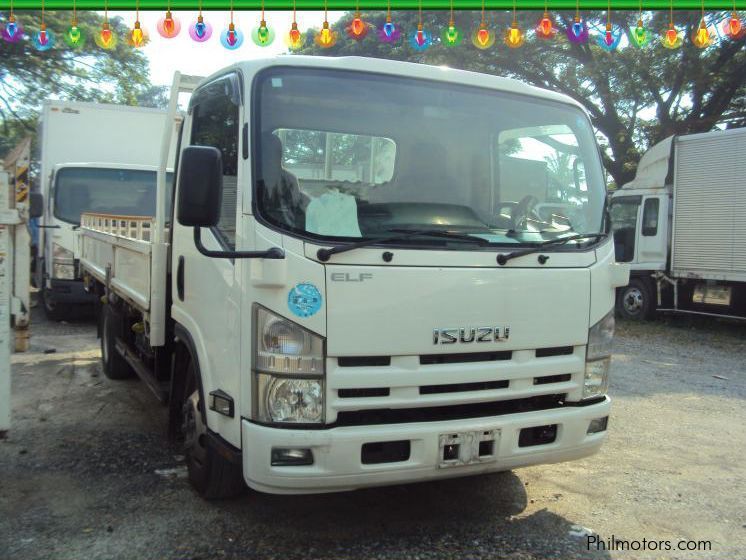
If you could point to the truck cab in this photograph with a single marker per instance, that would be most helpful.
(372, 273)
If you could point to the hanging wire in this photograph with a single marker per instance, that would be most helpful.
(515, 16)
(483, 20)
(608, 15)
(452, 21)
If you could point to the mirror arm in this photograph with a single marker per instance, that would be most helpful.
(272, 253)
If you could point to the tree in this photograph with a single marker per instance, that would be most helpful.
(636, 97)
(88, 73)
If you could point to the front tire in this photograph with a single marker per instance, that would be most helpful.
(635, 300)
(54, 311)
(114, 364)
(212, 475)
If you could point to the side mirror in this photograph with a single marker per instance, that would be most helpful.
(200, 186)
(35, 205)
(201, 197)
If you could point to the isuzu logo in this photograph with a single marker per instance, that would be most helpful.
(470, 334)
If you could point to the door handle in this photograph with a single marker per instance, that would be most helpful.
(180, 279)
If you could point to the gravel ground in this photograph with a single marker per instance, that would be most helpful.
(87, 472)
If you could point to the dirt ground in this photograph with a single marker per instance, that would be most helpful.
(87, 472)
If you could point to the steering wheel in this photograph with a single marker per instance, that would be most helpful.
(522, 212)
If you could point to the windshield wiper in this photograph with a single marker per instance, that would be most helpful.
(402, 235)
(503, 258)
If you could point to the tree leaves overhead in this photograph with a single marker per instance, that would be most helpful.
(28, 76)
(636, 97)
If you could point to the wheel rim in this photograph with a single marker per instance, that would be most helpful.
(194, 430)
(633, 301)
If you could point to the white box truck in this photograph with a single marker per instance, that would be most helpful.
(92, 157)
(358, 288)
(680, 226)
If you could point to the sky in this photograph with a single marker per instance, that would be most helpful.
(202, 59)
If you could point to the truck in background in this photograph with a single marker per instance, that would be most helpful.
(355, 292)
(680, 224)
(93, 157)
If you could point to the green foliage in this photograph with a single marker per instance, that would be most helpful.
(636, 97)
(89, 73)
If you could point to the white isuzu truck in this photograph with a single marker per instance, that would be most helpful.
(373, 272)
(680, 226)
(93, 157)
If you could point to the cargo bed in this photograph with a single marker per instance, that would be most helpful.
(117, 251)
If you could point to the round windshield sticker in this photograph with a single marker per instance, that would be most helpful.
(304, 300)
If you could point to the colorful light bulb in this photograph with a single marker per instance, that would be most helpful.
(231, 37)
(639, 36)
(483, 38)
(294, 38)
(451, 35)
(74, 36)
(514, 37)
(43, 39)
(389, 33)
(326, 37)
(733, 28)
(13, 30)
(671, 39)
(578, 32)
(546, 29)
(357, 29)
(137, 38)
(611, 38)
(262, 35)
(200, 30)
(168, 26)
(105, 39)
(701, 36)
(420, 39)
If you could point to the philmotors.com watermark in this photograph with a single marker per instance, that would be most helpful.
(595, 542)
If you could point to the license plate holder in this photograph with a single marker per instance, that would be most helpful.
(456, 449)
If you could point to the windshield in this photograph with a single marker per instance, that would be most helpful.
(346, 155)
(124, 192)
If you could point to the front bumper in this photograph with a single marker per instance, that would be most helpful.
(68, 291)
(337, 451)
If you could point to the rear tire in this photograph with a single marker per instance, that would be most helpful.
(114, 364)
(635, 300)
(212, 475)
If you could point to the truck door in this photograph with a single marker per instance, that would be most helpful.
(205, 291)
(652, 244)
(624, 215)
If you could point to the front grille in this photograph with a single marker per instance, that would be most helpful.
(546, 379)
(430, 359)
(463, 387)
(363, 361)
(556, 351)
(453, 412)
(367, 392)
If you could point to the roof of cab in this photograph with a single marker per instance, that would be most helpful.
(398, 68)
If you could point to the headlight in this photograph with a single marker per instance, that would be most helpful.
(600, 337)
(598, 357)
(63, 263)
(288, 371)
(290, 400)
